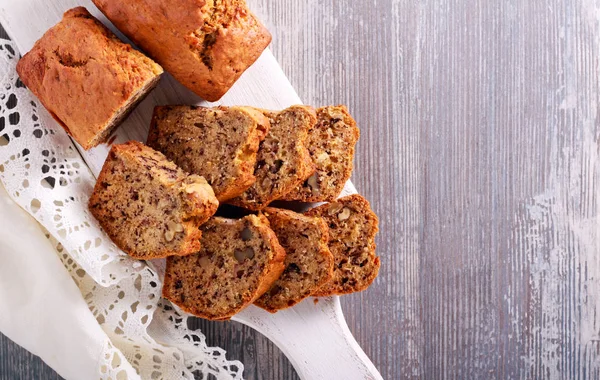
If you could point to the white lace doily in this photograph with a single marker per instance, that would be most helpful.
(43, 172)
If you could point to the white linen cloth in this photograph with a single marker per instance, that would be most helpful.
(41, 308)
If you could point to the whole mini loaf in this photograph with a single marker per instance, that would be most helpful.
(205, 45)
(86, 77)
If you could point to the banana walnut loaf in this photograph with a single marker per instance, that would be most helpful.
(205, 44)
(308, 261)
(219, 144)
(86, 77)
(148, 206)
(238, 261)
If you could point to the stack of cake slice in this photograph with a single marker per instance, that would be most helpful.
(161, 203)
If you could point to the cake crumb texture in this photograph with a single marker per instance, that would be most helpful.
(219, 144)
(352, 229)
(308, 261)
(331, 144)
(148, 206)
(238, 261)
(283, 161)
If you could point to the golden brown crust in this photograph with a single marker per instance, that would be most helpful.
(352, 229)
(219, 144)
(308, 261)
(86, 77)
(331, 145)
(283, 161)
(205, 45)
(221, 279)
(147, 205)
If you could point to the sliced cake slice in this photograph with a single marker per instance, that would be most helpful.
(239, 260)
(352, 229)
(308, 261)
(331, 145)
(219, 144)
(283, 161)
(148, 206)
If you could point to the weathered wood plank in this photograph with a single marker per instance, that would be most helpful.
(18, 363)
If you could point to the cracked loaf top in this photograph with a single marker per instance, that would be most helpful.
(205, 44)
(86, 77)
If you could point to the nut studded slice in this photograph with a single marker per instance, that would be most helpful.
(331, 145)
(308, 262)
(239, 260)
(352, 229)
(147, 205)
(283, 161)
(219, 144)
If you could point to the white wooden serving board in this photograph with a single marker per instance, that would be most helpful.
(313, 334)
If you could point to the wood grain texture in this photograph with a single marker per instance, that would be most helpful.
(479, 152)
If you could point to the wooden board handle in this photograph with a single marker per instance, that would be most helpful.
(315, 338)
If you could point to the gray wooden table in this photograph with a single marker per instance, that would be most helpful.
(479, 152)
